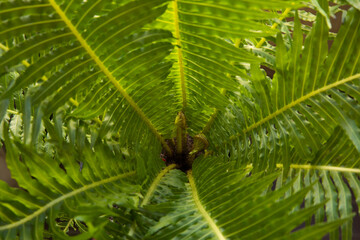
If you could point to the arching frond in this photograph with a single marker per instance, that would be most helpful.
(205, 207)
(337, 165)
(311, 93)
(108, 63)
(71, 183)
(89, 91)
(208, 35)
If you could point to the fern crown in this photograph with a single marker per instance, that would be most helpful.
(180, 119)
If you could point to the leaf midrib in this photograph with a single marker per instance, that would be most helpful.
(294, 103)
(108, 74)
(62, 198)
(155, 184)
(201, 208)
(180, 55)
(321, 167)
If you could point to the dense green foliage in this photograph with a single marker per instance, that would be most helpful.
(154, 119)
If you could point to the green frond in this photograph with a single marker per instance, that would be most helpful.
(75, 55)
(311, 93)
(208, 35)
(266, 112)
(52, 188)
(337, 165)
(204, 207)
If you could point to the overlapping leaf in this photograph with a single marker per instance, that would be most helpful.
(73, 183)
(312, 92)
(208, 34)
(221, 203)
(337, 165)
(114, 61)
(101, 58)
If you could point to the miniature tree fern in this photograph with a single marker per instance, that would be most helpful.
(154, 119)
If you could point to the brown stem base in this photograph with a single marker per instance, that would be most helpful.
(183, 160)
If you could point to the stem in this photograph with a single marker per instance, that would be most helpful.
(181, 141)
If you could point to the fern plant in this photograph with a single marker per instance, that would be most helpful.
(154, 119)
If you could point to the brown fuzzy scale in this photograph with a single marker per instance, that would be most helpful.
(183, 160)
